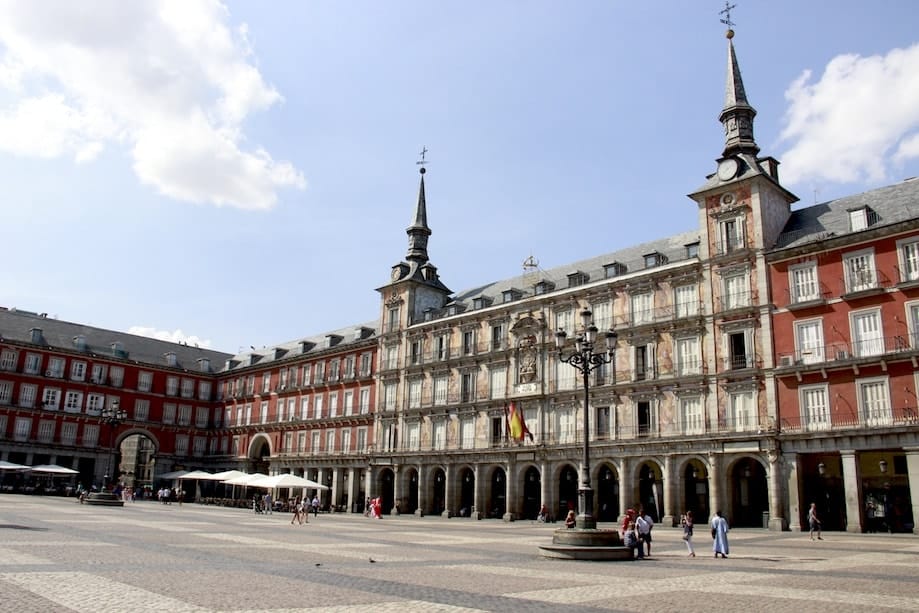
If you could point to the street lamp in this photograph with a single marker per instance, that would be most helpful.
(113, 417)
(586, 361)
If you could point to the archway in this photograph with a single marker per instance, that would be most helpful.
(531, 493)
(134, 462)
(567, 491)
(749, 494)
(467, 492)
(259, 454)
(695, 491)
(440, 491)
(607, 494)
(497, 505)
(649, 491)
(386, 494)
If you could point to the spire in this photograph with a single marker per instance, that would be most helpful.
(737, 115)
(419, 231)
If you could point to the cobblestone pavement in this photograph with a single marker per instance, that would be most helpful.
(58, 555)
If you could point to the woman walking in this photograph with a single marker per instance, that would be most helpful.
(720, 535)
(813, 521)
(686, 522)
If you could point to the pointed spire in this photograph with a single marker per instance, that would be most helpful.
(737, 115)
(419, 231)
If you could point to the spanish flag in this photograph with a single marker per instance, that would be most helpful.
(516, 424)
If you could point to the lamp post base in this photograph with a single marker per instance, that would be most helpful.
(586, 544)
(106, 499)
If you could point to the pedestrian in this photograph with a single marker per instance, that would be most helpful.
(813, 521)
(686, 522)
(720, 535)
(629, 517)
(315, 505)
(644, 523)
(630, 539)
(367, 507)
(570, 520)
(268, 504)
(298, 512)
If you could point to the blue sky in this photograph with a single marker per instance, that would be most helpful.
(242, 173)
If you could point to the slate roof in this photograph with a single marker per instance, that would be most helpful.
(15, 325)
(888, 205)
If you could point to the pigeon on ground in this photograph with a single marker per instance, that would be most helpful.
(372, 561)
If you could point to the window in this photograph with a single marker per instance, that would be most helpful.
(389, 396)
(565, 376)
(172, 386)
(691, 417)
(736, 292)
(94, 404)
(601, 425)
(361, 439)
(55, 368)
(204, 390)
(68, 433)
(467, 387)
(77, 371)
(730, 233)
(692, 250)
(8, 360)
(141, 409)
(45, 431)
(860, 272)
(51, 399)
(27, 395)
(392, 322)
(392, 357)
(497, 337)
(440, 435)
(99, 372)
(467, 433)
(415, 352)
(315, 444)
(169, 413)
(644, 359)
(301, 441)
(908, 252)
(802, 282)
(182, 444)
(188, 388)
(184, 415)
(266, 383)
(468, 342)
(498, 382)
(263, 412)
(334, 370)
(739, 349)
(687, 355)
(564, 320)
(414, 393)
(306, 374)
(413, 437)
(23, 428)
(566, 426)
(366, 362)
(743, 411)
(333, 404)
(200, 445)
(912, 318)
(33, 364)
(116, 376)
(365, 400)
(867, 334)
(6, 392)
(815, 411)
(859, 219)
(441, 347)
(647, 418)
(346, 441)
(330, 441)
(291, 408)
(73, 402)
(144, 381)
(874, 401)
(641, 308)
(686, 300)
(90, 435)
(349, 403)
(440, 389)
(809, 338)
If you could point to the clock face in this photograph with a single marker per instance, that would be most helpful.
(395, 274)
(727, 169)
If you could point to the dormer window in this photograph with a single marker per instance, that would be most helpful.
(79, 342)
(332, 339)
(614, 269)
(654, 259)
(170, 358)
(861, 218)
(204, 365)
(481, 302)
(577, 278)
(692, 250)
(544, 287)
(118, 349)
(510, 295)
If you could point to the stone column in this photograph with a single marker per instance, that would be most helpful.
(397, 490)
(510, 492)
(775, 479)
(352, 490)
(478, 494)
(714, 484)
(336, 488)
(545, 494)
(912, 473)
(422, 495)
(851, 483)
(793, 489)
(669, 490)
(625, 486)
(449, 490)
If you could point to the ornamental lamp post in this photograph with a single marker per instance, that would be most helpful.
(586, 360)
(113, 417)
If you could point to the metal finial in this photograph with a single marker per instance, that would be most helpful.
(727, 16)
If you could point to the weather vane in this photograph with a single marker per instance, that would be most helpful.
(727, 14)
(424, 151)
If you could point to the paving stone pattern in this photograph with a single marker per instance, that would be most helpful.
(57, 555)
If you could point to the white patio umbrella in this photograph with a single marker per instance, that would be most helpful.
(172, 475)
(196, 474)
(289, 480)
(246, 479)
(227, 474)
(53, 469)
(12, 466)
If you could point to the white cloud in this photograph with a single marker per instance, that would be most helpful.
(857, 123)
(168, 80)
(176, 336)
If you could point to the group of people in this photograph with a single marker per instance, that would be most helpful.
(166, 494)
(301, 509)
(637, 528)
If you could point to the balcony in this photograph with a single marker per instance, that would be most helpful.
(848, 351)
(863, 283)
(730, 246)
(734, 301)
(806, 299)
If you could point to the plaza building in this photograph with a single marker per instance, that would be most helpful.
(764, 359)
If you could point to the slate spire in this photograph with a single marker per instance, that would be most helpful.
(737, 115)
(419, 231)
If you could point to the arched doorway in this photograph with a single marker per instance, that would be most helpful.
(531, 493)
(607, 494)
(567, 491)
(134, 462)
(386, 491)
(497, 505)
(440, 491)
(467, 492)
(749, 494)
(695, 491)
(259, 454)
(649, 491)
